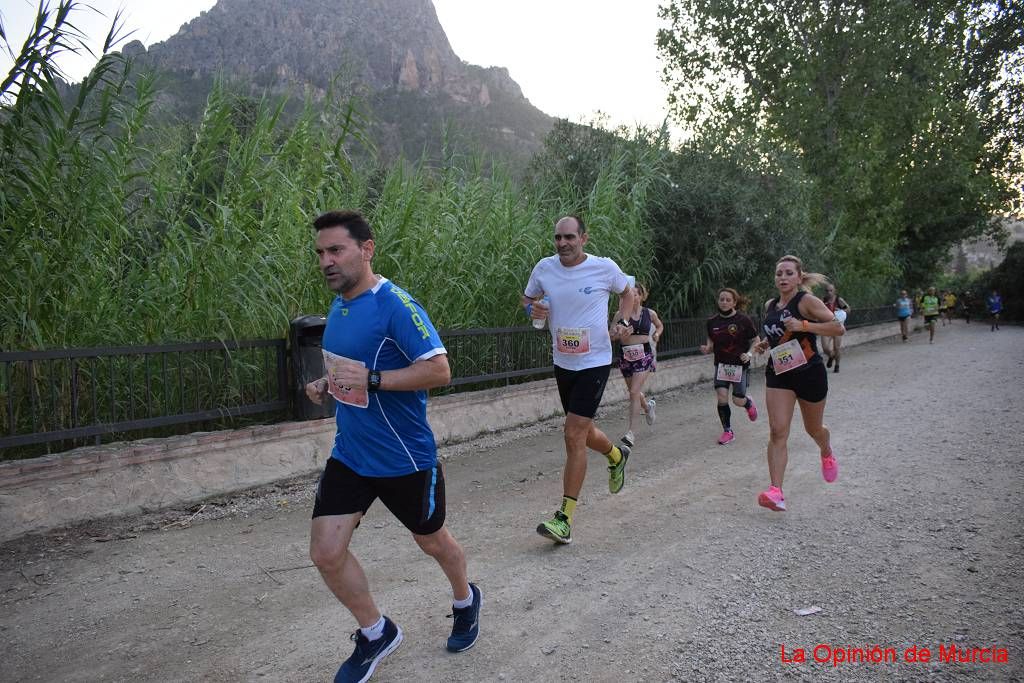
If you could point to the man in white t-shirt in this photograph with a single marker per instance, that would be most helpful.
(577, 286)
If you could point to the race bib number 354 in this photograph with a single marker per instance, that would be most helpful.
(573, 339)
(633, 352)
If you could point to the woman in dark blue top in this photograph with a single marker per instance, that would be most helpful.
(795, 372)
(637, 336)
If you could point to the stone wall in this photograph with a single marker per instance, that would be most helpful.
(131, 477)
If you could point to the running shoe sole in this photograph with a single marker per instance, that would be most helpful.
(547, 533)
(833, 471)
(764, 501)
(480, 605)
(380, 656)
(621, 468)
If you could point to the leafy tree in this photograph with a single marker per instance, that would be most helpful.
(905, 116)
(1008, 279)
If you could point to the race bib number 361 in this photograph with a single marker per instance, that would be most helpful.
(573, 339)
(786, 357)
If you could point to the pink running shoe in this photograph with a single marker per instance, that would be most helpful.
(726, 437)
(829, 467)
(772, 499)
(752, 411)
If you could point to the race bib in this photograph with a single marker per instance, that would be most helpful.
(356, 397)
(573, 339)
(729, 373)
(787, 356)
(633, 352)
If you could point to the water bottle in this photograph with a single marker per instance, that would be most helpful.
(537, 322)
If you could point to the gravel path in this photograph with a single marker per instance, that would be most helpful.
(680, 577)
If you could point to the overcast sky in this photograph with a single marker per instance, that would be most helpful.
(572, 58)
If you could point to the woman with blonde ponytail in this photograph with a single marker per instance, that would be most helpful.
(795, 372)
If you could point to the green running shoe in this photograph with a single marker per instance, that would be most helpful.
(557, 528)
(617, 473)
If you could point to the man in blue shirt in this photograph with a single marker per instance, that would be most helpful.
(995, 307)
(382, 353)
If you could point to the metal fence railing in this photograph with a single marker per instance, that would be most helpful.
(860, 317)
(69, 397)
(74, 395)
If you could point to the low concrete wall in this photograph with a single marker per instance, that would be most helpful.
(149, 474)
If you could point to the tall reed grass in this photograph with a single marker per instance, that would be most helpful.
(116, 228)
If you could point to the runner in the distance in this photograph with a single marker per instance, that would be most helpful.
(730, 336)
(636, 358)
(795, 374)
(578, 286)
(904, 309)
(930, 309)
(995, 307)
(831, 346)
(948, 307)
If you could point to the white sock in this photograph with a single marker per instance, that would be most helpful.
(463, 604)
(374, 632)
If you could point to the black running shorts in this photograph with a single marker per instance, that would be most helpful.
(809, 384)
(581, 390)
(416, 500)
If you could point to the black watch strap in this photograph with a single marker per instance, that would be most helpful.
(373, 381)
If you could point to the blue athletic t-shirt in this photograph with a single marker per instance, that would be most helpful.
(387, 329)
(903, 307)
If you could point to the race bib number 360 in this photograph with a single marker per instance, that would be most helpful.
(573, 339)
(786, 357)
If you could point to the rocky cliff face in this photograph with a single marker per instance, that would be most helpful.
(387, 47)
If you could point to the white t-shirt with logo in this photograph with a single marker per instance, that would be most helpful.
(579, 308)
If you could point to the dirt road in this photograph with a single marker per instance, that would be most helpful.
(680, 577)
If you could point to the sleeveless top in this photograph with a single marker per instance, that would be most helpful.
(776, 333)
(641, 326)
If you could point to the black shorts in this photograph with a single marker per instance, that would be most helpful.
(581, 390)
(416, 500)
(809, 384)
(929, 319)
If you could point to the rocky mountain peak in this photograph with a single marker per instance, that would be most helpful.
(388, 48)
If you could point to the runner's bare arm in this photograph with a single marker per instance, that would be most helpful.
(317, 390)
(754, 341)
(422, 374)
(707, 347)
(615, 329)
(535, 308)
(658, 326)
(627, 299)
(812, 308)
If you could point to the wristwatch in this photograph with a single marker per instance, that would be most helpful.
(373, 381)
(624, 323)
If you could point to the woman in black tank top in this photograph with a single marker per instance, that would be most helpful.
(637, 337)
(795, 373)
